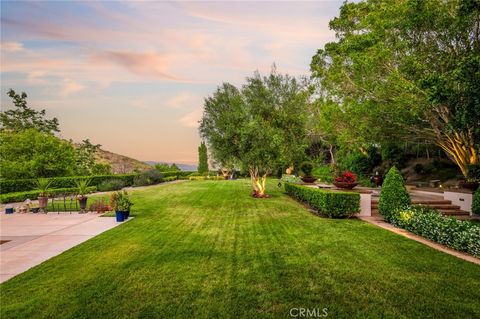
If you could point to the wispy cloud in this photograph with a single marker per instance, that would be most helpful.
(70, 87)
(192, 118)
(11, 46)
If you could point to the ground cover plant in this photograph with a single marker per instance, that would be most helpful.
(207, 249)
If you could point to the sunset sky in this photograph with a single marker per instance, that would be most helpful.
(132, 76)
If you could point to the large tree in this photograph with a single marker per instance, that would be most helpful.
(408, 70)
(22, 117)
(31, 154)
(260, 126)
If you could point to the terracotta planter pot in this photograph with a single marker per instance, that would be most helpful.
(345, 185)
(42, 202)
(308, 180)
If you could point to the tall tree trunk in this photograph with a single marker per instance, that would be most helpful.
(460, 147)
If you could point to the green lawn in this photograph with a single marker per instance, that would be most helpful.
(208, 249)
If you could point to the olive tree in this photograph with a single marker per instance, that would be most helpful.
(259, 126)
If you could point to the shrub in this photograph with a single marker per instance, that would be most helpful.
(291, 179)
(170, 178)
(329, 203)
(324, 173)
(476, 202)
(449, 231)
(393, 195)
(22, 196)
(206, 178)
(149, 177)
(111, 185)
(306, 168)
(21, 185)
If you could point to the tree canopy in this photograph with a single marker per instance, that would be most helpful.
(407, 70)
(260, 126)
(22, 117)
(202, 159)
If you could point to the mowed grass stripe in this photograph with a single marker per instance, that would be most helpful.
(208, 249)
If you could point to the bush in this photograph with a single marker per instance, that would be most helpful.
(170, 178)
(111, 185)
(290, 179)
(22, 185)
(324, 173)
(178, 174)
(460, 235)
(329, 203)
(306, 168)
(22, 196)
(149, 177)
(393, 195)
(476, 202)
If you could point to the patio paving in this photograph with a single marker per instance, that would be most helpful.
(34, 238)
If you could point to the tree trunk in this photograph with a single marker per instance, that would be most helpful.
(259, 183)
(460, 147)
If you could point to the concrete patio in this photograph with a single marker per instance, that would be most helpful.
(30, 239)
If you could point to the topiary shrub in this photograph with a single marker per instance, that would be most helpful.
(476, 202)
(394, 195)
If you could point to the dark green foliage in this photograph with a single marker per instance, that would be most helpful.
(111, 185)
(393, 195)
(393, 155)
(20, 185)
(85, 157)
(328, 203)
(32, 154)
(164, 167)
(324, 173)
(23, 118)
(476, 202)
(150, 177)
(459, 235)
(359, 163)
(202, 159)
(22, 196)
(178, 174)
(306, 168)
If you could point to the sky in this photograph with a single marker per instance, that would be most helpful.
(132, 75)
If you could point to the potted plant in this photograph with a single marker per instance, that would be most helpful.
(34, 208)
(126, 204)
(43, 186)
(473, 178)
(121, 203)
(306, 168)
(347, 180)
(377, 179)
(115, 204)
(82, 190)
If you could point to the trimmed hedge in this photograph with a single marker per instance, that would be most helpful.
(21, 196)
(393, 195)
(22, 185)
(460, 235)
(206, 178)
(328, 203)
(170, 178)
(178, 174)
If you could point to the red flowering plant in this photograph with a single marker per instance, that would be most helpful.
(347, 177)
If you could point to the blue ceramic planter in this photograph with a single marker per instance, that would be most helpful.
(120, 216)
(127, 214)
(9, 210)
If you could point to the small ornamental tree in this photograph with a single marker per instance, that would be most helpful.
(476, 202)
(394, 195)
(202, 159)
(258, 127)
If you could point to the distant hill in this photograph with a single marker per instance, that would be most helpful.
(120, 164)
(183, 167)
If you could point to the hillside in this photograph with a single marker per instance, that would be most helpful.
(120, 163)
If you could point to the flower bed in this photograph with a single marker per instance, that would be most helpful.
(459, 235)
(333, 204)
